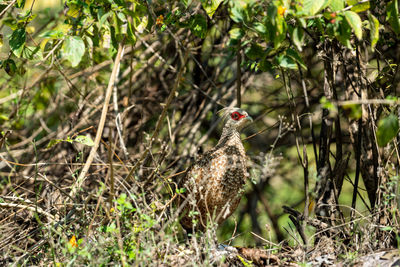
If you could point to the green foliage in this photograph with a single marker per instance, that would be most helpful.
(73, 50)
(312, 7)
(355, 22)
(210, 6)
(392, 10)
(65, 54)
(17, 41)
(273, 40)
(82, 139)
(388, 128)
(9, 66)
(374, 30)
(198, 24)
(354, 111)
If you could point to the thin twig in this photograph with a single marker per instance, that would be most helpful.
(161, 118)
(93, 151)
(7, 7)
(239, 76)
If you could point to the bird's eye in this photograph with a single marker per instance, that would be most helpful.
(236, 115)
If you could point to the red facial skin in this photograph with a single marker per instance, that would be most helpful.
(237, 116)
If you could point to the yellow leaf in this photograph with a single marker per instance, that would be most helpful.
(30, 29)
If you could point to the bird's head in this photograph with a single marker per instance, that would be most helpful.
(235, 118)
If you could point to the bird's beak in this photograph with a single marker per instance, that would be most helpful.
(250, 119)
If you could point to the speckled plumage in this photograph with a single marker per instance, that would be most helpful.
(215, 182)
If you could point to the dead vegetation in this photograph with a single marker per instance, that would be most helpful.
(73, 192)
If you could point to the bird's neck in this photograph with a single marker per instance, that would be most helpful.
(230, 136)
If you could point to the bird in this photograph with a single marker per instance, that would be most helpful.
(214, 183)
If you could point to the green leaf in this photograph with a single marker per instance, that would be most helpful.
(260, 29)
(240, 10)
(354, 111)
(298, 38)
(17, 41)
(198, 25)
(387, 228)
(131, 33)
(265, 65)
(279, 31)
(54, 142)
(286, 62)
(360, 7)
(210, 6)
(53, 34)
(9, 66)
(74, 49)
(344, 33)
(355, 22)
(85, 140)
(122, 17)
(104, 18)
(294, 55)
(32, 53)
(186, 2)
(392, 11)
(311, 7)
(236, 33)
(326, 104)
(336, 5)
(20, 3)
(387, 129)
(374, 30)
(142, 25)
(254, 52)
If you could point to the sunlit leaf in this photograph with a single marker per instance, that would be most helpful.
(239, 11)
(361, 7)
(374, 30)
(298, 38)
(84, 140)
(73, 49)
(311, 7)
(355, 22)
(387, 129)
(186, 2)
(336, 5)
(17, 41)
(210, 6)
(236, 33)
(327, 104)
(143, 24)
(20, 3)
(260, 29)
(53, 34)
(32, 53)
(104, 18)
(131, 33)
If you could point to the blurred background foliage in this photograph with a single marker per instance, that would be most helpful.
(319, 77)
